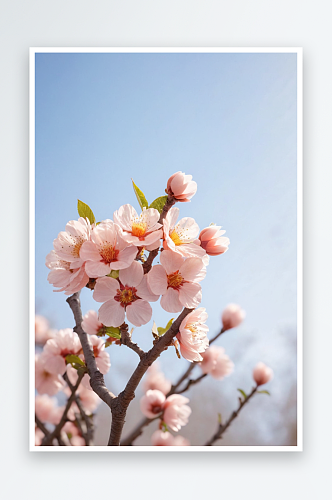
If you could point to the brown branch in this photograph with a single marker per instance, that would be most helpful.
(223, 427)
(96, 378)
(126, 340)
(56, 432)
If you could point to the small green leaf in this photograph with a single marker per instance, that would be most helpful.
(72, 359)
(112, 332)
(264, 392)
(140, 196)
(243, 393)
(85, 211)
(169, 324)
(159, 203)
(164, 427)
(219, 418)
(162, 331)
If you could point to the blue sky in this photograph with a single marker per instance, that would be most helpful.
(229, 120)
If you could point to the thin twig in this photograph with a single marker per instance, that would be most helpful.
(126, 340)
(222, 427)
(88, 435)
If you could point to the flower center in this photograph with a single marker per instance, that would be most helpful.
(126, 295)
(176, 238)
(77, 247)
(138, 229)
(175, 280)
(108, 254)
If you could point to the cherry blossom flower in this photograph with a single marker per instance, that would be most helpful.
(46, 382)
(216, 363)
(152, 403)
(65, 275)
(44, 407)
(176, 280)
(90, 324)
(176, 412)
(181, 187)
(192, 335)
(69, 242)
(141, 230)
(262, 374)
(42, 330)
(180, 237)
(212, 240)
(232, 316)
(106, 251)
(130, 295)
(39, 436)
(55, 350)
(161, 438)
(73, 434)
(155, 379)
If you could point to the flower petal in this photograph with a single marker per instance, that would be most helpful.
(190, 294)
(139, 312)
(132, 275)
(171, 261)
(111, 313)
(170, 301)
(144, 291)
(157, 280)
(105, 289)
(191, 268)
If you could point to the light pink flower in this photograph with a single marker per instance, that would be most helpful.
(181, 187)
(141, 230)
(176, 412)
(130, 295)
(65, 275)
(106, 251)
(44, 408)
(42, 330)
(180, 237)
(69, 242)
(73, 434)
(39, 436)
(160, 438)
(216, 363)
(232, 316)
(89, 399)
(155, 379)
(262, 374)
(181, 441)
(90, 324)
(46, 382)
(212, 240)
(55, 350)
(152, 403)
(176, 280)
(192, 335)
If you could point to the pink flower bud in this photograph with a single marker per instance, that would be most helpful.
(152, 403)
(216, 363)
(181, 187)
(212, 242)
(232, 316)
(262, 374)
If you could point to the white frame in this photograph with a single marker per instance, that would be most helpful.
(299, 52)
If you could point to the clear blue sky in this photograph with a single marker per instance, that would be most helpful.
(229, 120)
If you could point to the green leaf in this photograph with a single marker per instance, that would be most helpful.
(112, 332)
(264, 392)
(243, 393)
(159, 203)
(72, 359)
(162, 331)
(219, 418)
(140, 196)
(85, 211)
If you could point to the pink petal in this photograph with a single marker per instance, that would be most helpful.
(170, 301)
(190, 294)
(171, 261)
(172, 217)
(144, 292)
(190, 268)
(124, 216)
(125, 258)
(139, 312)
(132, 275)
(112, 313)
(157, 280)
(89, 251)
(96, 269)
(105, 289)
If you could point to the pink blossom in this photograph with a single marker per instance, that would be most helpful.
(73, 434)
(46, 382)
(192, 335)
(90, 324)
(177, 280)
(42, 330)
(155, 379)
(232, 316)
(55, 350)
(152, 403)
(181, 441)
(106, 251)
(181, 187)
(44, 408)
(130, 295)
(262, 374)
(143, 230)
(69, 242)
(180, 237)
(65, 275)
(216, 363)
(160, 438)
(176, 412)
(212, 242)
(39, 436)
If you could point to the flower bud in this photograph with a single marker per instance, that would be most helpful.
(181, 187)
(262, 374)
(211, 241)
(232, 316)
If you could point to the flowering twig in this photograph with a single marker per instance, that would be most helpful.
(223, 427)
(88, 435)
(126, 340)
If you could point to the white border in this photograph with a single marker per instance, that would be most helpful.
(299, 52)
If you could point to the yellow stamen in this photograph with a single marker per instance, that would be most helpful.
(138, 229)
(108, 253)
(176, 238)
(175, 280)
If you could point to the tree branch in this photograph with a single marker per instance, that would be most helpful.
(126, 340)
(222, 428)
